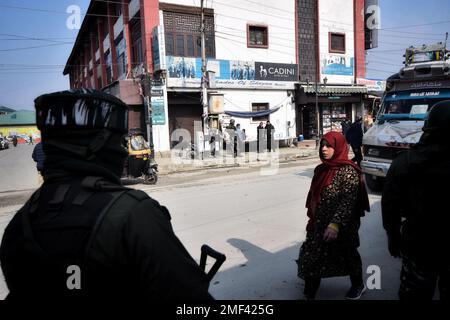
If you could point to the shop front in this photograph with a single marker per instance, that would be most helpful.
(332, 104)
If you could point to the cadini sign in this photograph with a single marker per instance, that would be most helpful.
(186, 72)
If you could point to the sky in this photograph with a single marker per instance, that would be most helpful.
(26, 72)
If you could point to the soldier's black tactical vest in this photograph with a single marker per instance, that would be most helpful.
(47, 247)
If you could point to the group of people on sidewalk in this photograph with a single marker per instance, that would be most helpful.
(236, 137)
(123, 243)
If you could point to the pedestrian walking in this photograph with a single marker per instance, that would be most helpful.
(415, 210)
(30, 139)
(82, 235)
(336, 201)
(14, 141)
(354, 137)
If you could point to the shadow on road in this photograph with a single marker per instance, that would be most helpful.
(273, 275)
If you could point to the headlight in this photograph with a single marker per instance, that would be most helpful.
(373, 152)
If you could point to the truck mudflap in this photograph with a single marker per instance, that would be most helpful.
(378, 169)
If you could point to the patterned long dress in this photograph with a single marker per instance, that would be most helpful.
(320, 259)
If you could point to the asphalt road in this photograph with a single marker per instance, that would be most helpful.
(17, 169)
(258, 221)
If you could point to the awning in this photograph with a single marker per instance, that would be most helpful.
(326, 89)
(246, 114)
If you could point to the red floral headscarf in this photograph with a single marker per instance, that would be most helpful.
(325, 172)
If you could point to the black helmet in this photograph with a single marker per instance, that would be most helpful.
(81, 108)
(438, 119)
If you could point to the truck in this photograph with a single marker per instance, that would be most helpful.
(408, 97)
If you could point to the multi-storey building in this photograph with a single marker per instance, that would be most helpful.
(331, 54)
(263, 60)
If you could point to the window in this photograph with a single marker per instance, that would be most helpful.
(187, 45)
(182, 31)
(122, 64)
(121, 55)
(260, 107)
(170, 48)
(118, 10)
(136, 42)
(190, 46)
(108, 67)
(209, 46)
(257, 37)
(180, 45)
(337, 42)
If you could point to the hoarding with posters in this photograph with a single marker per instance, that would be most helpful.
(186, 72)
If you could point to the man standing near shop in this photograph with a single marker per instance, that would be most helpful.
(270, 130)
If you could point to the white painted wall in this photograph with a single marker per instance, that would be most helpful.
(231, 19)
(336, 16)
(241, 100)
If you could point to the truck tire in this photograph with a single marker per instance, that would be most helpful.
(374, 183)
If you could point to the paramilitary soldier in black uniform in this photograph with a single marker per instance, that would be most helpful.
(120, 240)
(416, 191)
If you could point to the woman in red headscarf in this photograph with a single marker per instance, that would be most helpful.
(336, 201)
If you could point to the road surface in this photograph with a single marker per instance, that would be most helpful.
(258, 221)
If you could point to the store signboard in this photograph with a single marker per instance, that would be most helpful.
(158, 48)
(158, 111)
(186, 72)
(158, 105)
(372, 85)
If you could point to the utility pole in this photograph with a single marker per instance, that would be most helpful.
(316, 89)
(149, 118)
(204, 84)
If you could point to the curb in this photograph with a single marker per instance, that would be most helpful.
(283, 159)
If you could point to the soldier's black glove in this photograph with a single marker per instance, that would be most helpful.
(394, 245)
